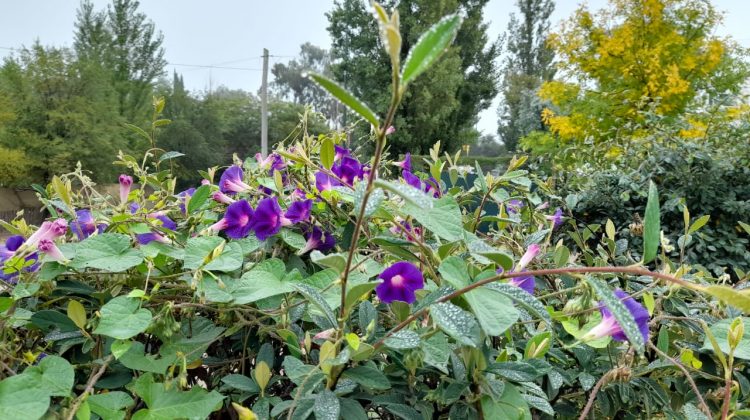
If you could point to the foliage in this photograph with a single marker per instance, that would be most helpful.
(633, 59)
(60, 111)
(127, 46)
(528, 63)
(275, 291)
(441, 105)
(695, 178)
(290, 80)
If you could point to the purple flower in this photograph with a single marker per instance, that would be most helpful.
(166, 222)
(527, 283)
(48, 247)
(274, 162)
(556, 219)
(126, 182)
(531, 252)
(348, 170)
(324, 182)
(609, 325)
(513, 206)
(84, 225)
(231, 181)
(134, 207)
(298, 194)
(317, 239)
(146, 238)
(267, 220)
(184, 197)
(341, 152)
(411, 179)
(390, 130)
(7, 251)
(400, 281)
(222, 198)
(298, 211)
(406, 163)
(205, 182)
(237, 220)
(432, 184)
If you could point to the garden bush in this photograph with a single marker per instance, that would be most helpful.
(695, 178)
(310, 284)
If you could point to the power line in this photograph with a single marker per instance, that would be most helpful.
(214, 67)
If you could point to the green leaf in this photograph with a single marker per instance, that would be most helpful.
(108, 251)
(293, 239)
(357, 291)
(171, 403)
(346, 98)
(193, 338)
(402, 340)
(230, 259)
(77, 313)
(510, 406)
(56, 376)
(720, 331)
(443, 219)
(430, 46)
(456, 322)
(412, 195)
(327, 406)
(745, 227)
(198, 198)
(241, 382)
(493, 310)
(453, 270)
(264, 280)
(368, 377)
(21, 398)
(318, 301)
(123, 318)
(171, 154)
(136, 359)
(327, 153)
(373, 203)
(699, 224)
(526, 300)
(110, 406)
(199, 250)
(736, 298)
(651, 225)
(620, 312)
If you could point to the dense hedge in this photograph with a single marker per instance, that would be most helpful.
(709, 183)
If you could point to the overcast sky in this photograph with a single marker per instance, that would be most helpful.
(233, 33)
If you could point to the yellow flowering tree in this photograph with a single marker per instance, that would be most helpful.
(635, 60)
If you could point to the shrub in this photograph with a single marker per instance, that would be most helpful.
(695, 178)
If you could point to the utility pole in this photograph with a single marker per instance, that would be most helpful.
(264, 107)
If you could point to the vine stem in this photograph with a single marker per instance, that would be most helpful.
(89, 387)
(546, 272)
(605, 379)
(689, 378)
(727, 387)
(379, 146)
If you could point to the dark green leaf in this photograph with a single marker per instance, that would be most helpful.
(456, 322)
(198, 198)
(368, 377)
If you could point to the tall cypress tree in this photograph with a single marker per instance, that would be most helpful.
(528, 64)
(127, 45)
(442, 104)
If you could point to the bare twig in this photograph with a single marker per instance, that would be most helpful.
(605, 379)
(689, 378)
(95, 375)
